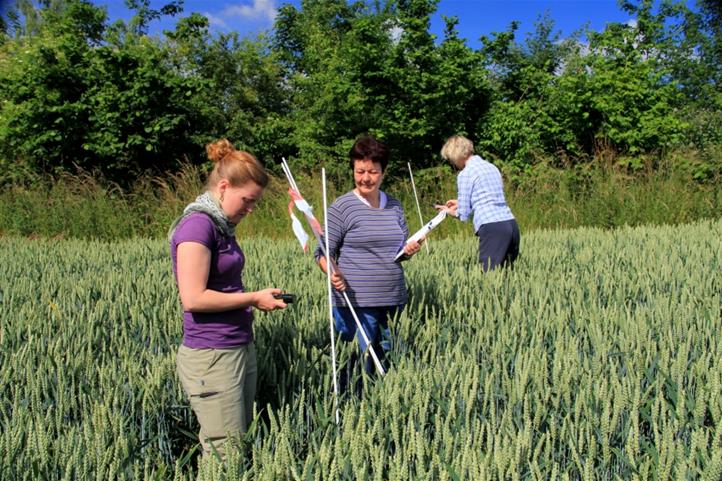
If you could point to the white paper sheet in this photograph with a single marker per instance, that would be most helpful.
(428, 227)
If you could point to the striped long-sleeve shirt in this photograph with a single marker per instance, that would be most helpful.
(481, 192)
(364, 241)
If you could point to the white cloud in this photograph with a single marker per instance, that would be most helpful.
(632, 22)
(216, 22)
(258, 10)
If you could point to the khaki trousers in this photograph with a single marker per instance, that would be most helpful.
(221, 387)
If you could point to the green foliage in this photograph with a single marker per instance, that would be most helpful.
(585, 195)
(546, 197)
(358, 67)
(80, 94)
(617, 97)
(590, 360)
(76, 91)
(694, 49)
(631, 95)
(240, 94)
(140, 116)
(144, 14)
(508, 137)
(42, 78)
(523, 121)
(76, 96)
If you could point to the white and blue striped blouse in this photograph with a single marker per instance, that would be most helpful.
(481, 192)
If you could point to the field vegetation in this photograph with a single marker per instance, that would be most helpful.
(597, 357)
(87, 207)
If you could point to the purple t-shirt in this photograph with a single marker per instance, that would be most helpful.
(217, 330)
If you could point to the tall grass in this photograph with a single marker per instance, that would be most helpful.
(84, 207)
(551, 198)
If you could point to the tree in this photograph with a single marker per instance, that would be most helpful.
(363, 67)
(78, 94)
(523, 123)
(42, 77)
(144, 14)
(241, 96)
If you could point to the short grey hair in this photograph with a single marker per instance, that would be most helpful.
(457, 150)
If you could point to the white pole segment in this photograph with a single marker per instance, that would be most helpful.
(330, 304)
(418, 207)
(359, 326)
(287, 171)
(361, 329)
(289, 175)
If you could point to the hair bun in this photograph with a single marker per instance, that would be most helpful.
(218, 150)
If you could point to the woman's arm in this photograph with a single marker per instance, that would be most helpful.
(337, 280)
(335, 239)
(193, 266)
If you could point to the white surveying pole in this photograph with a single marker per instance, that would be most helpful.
(330, 265)
(330, 301)
(418, 207)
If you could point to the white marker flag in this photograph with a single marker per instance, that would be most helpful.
(299, 232)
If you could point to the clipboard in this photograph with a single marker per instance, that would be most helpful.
(428, 227)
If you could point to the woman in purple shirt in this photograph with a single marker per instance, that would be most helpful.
(217, 359)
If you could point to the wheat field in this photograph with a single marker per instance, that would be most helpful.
(598, 357)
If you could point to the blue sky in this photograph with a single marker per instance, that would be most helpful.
(476, 17)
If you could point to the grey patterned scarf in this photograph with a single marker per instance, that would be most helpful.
(207, 204)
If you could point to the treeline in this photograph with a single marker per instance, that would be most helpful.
(80, 92)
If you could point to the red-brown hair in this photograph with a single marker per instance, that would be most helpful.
(236, 166)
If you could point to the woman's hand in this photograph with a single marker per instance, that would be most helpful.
(264, 300)
(337, 281)
(413, 247)
(450, 207)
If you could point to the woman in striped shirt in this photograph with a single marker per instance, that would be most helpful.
(366, 229)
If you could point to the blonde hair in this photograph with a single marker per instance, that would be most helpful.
(457, 150)
(236, 166)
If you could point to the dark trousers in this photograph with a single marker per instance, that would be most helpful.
(498, 244)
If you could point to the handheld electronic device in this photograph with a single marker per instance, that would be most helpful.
(285, 297)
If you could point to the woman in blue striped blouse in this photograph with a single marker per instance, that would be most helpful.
(366, 229)
(481, 193)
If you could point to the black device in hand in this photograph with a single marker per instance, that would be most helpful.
(285, 297)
